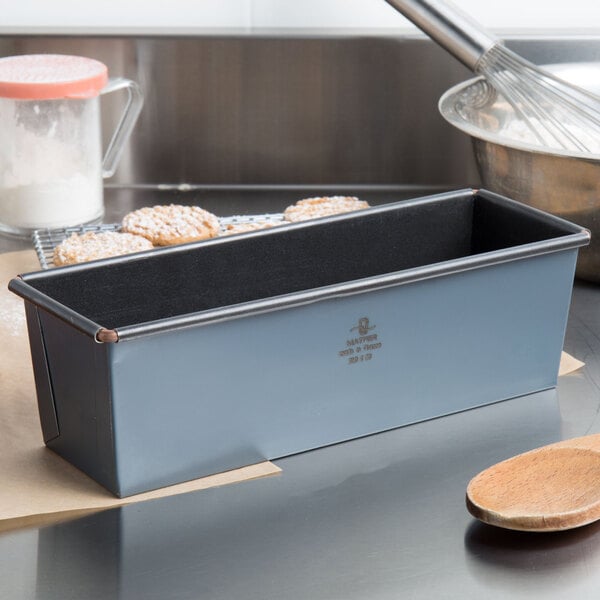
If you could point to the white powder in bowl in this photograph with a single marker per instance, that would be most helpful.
(517, 130)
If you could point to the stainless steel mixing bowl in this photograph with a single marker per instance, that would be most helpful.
(564, 183)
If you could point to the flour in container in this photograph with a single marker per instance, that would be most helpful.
(50, 165)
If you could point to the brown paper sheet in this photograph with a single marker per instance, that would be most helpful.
(36, 485)
(568, 364)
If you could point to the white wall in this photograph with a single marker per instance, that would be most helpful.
(157, 14)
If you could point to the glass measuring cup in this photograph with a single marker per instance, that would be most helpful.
(51, 164)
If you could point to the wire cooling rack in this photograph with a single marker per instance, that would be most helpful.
(45, 240)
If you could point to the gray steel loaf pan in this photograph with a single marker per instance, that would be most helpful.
(164, 366)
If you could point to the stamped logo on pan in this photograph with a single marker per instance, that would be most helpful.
(362, 344)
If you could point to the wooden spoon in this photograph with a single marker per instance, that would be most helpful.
(552, 488)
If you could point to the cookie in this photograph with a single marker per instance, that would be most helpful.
(312, 208)
(172, 224)
(94, 245)
(243, 227)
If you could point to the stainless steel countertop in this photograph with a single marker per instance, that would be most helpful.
(379, 517)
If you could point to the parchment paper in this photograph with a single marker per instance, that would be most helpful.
(568, 364)
(36, 485)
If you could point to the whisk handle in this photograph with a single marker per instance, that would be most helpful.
(450, 27)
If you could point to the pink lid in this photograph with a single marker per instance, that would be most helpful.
(51, 76)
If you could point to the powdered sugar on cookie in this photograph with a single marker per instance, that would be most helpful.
(312, 208)
(172, 224)
(94, 245)
(244, 227)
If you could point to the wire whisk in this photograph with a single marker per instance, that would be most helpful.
(557, 114)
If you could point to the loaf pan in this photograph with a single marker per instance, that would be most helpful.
(167, 365)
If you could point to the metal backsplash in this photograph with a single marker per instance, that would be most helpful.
(290, 109)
